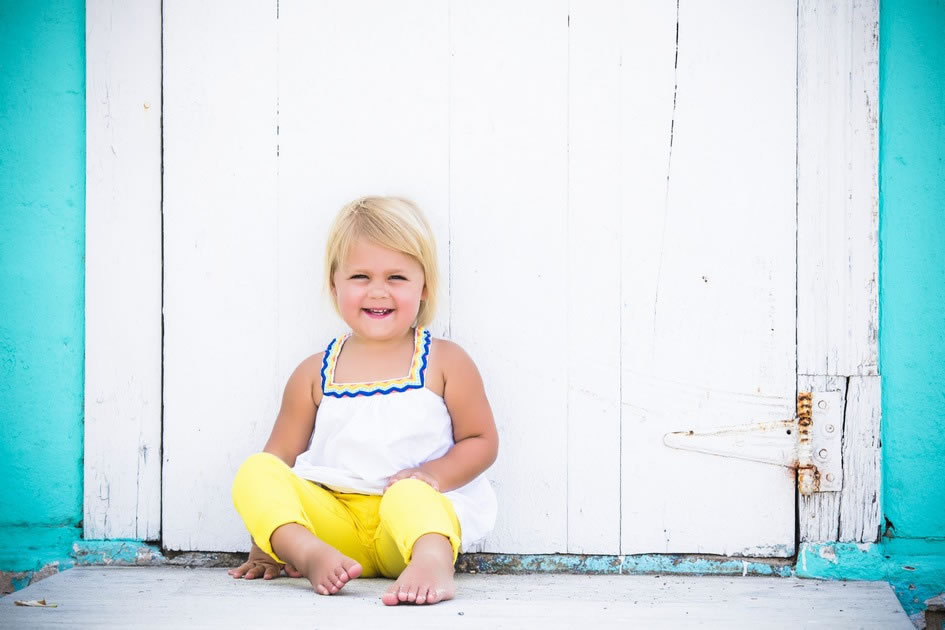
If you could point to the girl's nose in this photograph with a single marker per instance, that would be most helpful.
(377, 290)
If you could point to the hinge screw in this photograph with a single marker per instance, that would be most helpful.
(830, 477)
(822, 404)
(822, 453)
(829, 428)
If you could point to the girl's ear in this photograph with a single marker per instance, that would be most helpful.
(423, 294)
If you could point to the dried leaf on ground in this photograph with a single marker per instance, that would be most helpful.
(36, 603)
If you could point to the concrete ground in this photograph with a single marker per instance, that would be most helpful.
(172, 597)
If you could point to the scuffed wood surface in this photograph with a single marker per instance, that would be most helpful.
(200, 598)
(837, 190)
(860, 506)
(853, 514)
(122, 466)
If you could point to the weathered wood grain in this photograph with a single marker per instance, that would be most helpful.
(860, 505)
(122, 465)
(837, 190)
(220, 243)
(709, 271)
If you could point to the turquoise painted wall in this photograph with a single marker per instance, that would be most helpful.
(42, 247)
(912, 267)
(912, 294)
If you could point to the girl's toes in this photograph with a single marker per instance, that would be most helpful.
(422, 595)
(402, 593)
(390, 597)
(412, 594)
(321, 590)
(353, 570)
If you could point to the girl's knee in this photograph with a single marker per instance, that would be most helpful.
(255, 467)
(407, 492)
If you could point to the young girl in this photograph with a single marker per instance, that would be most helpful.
(375, 462)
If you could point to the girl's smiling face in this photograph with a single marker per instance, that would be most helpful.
(378, 291)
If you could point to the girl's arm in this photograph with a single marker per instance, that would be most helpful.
(296, 420)
(477, 441)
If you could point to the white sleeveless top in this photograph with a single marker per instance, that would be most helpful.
(366, 432)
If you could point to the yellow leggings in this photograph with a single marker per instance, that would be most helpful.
(377, 531)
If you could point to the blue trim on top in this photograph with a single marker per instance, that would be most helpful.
(325, 361)
(366, 391)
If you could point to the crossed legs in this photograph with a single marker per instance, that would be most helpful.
(411, 533)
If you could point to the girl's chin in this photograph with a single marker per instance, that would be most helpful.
(387, 327)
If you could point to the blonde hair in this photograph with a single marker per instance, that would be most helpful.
(392, 222)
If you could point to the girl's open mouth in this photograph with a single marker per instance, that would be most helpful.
(378, 312)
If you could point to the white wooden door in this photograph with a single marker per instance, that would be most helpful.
(613, 189)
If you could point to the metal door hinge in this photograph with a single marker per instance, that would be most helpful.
(810, 443)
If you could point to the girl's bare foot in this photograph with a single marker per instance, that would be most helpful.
(428, 578)
(325, 567)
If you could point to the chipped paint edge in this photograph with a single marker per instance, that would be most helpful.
(915, 569)
(11, 581)
(116, 552)
(620, 565)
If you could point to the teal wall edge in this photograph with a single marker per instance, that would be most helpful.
(42, 267)
(911, 303)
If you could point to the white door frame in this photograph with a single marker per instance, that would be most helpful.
(837, 208)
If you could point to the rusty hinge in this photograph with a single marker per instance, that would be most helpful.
(810, 443)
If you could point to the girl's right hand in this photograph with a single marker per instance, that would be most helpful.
(261, 564)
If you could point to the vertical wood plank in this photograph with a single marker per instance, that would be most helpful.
(508, 198)
(648, 90)
(123, 271)
(860, 511)
(220, 257)
(594, 200)
(838, 250)
(837, 205)
(709, 271)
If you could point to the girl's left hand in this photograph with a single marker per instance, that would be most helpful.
(413, 473)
